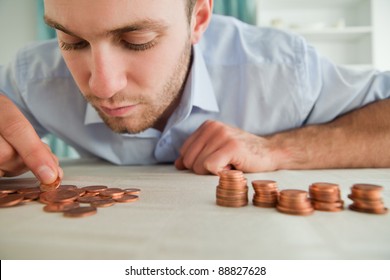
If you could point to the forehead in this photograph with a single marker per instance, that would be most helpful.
(104, 15)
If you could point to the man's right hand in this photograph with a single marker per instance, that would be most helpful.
(21, 149)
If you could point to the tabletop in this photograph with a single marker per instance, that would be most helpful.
(176, 217)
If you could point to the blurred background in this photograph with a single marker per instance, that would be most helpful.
(353, 33)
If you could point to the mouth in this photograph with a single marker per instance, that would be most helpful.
(122, 111)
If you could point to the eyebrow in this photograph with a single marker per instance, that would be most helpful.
(143, 25)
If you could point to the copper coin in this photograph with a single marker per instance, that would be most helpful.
(103, 203)
(367, 187)
(60, 207)
(94, 188)
(264, 185)
(368, 211)
(293, 194)
(59, 196)
(112, 192)
(264, 204)
(231, 174)
(31, 196)
(225, 203)
(301, 212)
(134, 191)
(127, 198)
(89, 199)
(11, 200)
(224, 192)
(29, 190)
(371, 193)
(80, 212)
(265, 200)
(51, 186)
(324, 187)
(330, 207)
(7, 190)
(233, 198)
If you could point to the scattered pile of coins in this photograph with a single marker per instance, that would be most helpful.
(70, 200)
(326, 197)
(294, 202)
(367, 199)
(232, 190)
(266, 193)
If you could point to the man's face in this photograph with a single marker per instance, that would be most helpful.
(129, 58)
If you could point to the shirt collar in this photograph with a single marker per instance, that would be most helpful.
(198, 91)
(203, 95)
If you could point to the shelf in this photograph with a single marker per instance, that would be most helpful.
(339, 34)
(310, 4)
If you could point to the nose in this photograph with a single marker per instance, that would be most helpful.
(107, 72)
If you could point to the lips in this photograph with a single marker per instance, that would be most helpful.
(118, 111)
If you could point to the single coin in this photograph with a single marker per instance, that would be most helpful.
(94, 188)
(238, 203)
(112, 192)
(80, 212)
(60, 207)
(127, 198)
(51, 186)
(11, 200)
(134, 191)
(103, 203)
(367, 187)
(31, 196)
(89, 199)
(266, 185)
(29, 190)
(300, 212)
(7, 190)
(264, 204)
(368, 211)
(59, 196)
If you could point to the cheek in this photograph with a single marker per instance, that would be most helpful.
(156, 66)
(78, 68)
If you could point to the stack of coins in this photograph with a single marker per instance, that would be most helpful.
(232, 190)
(326, 197)
(294, 202)
(367, 199)
(67, 199)
(266, 193)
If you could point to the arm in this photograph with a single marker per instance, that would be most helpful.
(360, 138)
(20, 147)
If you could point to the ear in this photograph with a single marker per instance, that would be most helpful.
(200, 20)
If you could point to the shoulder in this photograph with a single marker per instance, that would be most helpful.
(229, 40)
(40, 60)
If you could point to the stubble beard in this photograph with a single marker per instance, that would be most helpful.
(154, 115)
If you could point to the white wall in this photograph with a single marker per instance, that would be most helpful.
(18, 26)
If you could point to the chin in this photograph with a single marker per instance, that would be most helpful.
(122, 127)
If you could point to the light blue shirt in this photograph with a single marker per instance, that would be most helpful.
(258, 79)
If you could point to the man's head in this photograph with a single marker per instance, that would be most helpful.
(130, 58)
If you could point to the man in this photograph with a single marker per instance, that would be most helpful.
(145, 81)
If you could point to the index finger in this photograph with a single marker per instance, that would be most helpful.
(19, 133)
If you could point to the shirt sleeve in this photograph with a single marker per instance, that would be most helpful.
(13, 85)
(331, 90)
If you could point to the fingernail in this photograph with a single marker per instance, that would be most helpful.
(46, 174)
